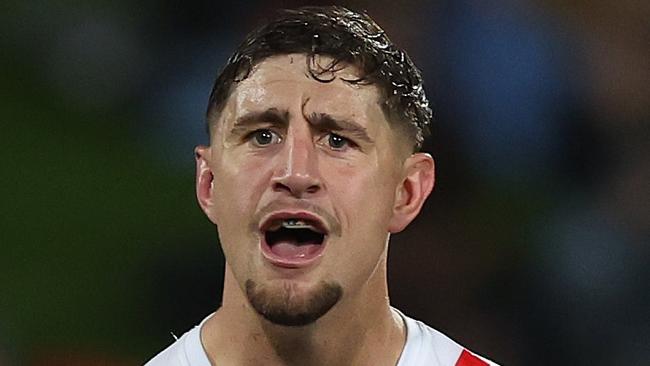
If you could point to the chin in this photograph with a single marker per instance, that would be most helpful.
(288, 303)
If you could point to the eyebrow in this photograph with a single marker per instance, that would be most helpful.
(271, 116)
(324, 121)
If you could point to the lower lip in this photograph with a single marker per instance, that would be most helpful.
(299, 261)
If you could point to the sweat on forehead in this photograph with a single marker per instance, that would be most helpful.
(346, 36)
(299, 67)
(280, 87)
(261, 85)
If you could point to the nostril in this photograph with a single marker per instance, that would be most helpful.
(312, 189)
(277, 186)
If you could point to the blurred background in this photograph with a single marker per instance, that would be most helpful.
(532, 250)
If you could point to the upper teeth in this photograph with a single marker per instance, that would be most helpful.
(292, 224)
(296, 224)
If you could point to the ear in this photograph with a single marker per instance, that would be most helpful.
(419, 170)
(204, 179)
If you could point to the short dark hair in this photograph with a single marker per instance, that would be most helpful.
(348, 37)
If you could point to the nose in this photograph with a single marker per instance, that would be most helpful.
(297, 172)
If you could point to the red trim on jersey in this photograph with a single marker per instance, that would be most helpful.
(468, 359)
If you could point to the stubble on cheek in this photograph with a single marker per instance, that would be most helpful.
(285, 305)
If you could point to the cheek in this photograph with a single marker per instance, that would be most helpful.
(364, 197)
(237, 189)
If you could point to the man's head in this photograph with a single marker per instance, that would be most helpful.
(311, 163)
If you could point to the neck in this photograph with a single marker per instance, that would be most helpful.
(359, 330)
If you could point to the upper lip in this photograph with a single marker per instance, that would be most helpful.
(318, 223)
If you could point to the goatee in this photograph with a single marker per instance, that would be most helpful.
(285, 306)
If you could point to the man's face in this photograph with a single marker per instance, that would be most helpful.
(305, 177)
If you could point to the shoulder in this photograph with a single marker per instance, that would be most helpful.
(427, 346)
(185, 351)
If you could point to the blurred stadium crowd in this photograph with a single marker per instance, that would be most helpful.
(533, 249)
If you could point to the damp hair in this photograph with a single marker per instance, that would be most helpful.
(348, 38)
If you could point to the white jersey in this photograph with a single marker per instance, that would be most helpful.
(424, 346)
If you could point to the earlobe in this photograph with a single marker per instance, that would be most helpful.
(414, 189)
(204, 178)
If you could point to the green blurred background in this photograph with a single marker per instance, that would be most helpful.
(533, 248)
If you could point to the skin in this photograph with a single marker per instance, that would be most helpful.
(369, 188)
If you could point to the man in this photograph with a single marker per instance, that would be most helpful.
(315, 124)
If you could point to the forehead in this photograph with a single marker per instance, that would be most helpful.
(284, 82)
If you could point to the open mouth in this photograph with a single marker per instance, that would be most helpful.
(291, 241)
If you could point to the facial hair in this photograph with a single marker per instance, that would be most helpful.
(286, 307)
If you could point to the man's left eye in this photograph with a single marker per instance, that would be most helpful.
(337, 142)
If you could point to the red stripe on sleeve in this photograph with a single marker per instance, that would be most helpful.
(468, 359)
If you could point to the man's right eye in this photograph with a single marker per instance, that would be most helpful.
(264, 137)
